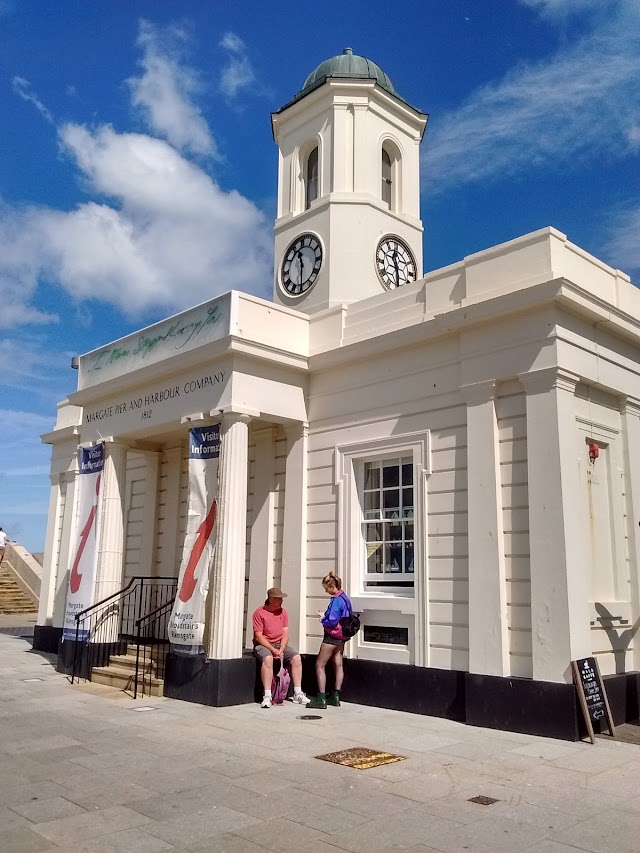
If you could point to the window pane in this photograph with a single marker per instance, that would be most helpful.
(311, 178)
(394, 557)
(374, 558)
(373, 532)
(386, 178)
(391, 473)
(394, 532)
(407, 473)
(372, 475)
(391, 501)
(371, 501)
(407, 498)
(408, 532)
(408, 557)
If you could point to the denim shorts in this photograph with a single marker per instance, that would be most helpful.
(332, 641)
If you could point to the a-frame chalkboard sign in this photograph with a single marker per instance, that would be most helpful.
(592, 695)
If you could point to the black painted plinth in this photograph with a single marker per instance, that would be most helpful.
(193, 678)
(541, 708)
(623, 693)
(402, 687)
(46, 638)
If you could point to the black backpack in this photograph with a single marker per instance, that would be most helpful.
(350, 624)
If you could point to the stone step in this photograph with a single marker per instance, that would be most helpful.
(124, 679)
(12, 598)
(129, 662)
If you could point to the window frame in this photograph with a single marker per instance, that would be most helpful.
(383, 581)
(348, 462)
(392, 149)
(307, 181)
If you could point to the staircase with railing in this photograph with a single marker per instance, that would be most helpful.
(122, 640)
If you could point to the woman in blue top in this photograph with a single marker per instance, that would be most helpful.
(332, 643)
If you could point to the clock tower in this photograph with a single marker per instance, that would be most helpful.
(348, 222)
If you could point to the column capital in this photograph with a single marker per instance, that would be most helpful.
(478, 392)
(112, 443)
(630, 406)
(541, 381)
(232, 414)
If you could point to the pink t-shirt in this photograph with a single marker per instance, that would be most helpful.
(270, 625)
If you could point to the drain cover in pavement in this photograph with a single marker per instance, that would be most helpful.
(483, 801)
(310, 717)
(360, 758)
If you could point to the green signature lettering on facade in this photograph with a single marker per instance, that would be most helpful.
(180, 333)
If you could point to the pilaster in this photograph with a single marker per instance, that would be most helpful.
(630, 411)
(168, 558)
(262, 532)
(559, 581)
(294, 540)
(488, 629)
(226, 591)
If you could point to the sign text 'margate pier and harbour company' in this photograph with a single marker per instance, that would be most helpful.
(144, 403)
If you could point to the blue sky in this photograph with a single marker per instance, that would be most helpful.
(138, 173)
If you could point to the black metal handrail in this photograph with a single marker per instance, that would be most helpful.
(104, 628)
(154, 638)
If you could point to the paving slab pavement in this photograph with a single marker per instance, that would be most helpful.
(86, 769)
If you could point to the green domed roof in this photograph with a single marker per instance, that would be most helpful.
(347, 64)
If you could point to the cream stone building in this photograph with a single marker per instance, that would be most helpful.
(462, 447)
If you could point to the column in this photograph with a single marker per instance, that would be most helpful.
(226, 591)
(630, 411)
(69, 482)
(111, 520)
(262, 529)
(488, 630)
(294, 541)
(559, 576)
(150, 514)
(50, 565)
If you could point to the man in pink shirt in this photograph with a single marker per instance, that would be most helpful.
(270, 641)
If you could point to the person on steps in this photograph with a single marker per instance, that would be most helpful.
(333, 641)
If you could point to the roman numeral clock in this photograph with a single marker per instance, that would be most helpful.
(301, 265)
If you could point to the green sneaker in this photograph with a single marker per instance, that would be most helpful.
(320, 702)
(334, 699)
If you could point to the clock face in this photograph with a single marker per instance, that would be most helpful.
(395, 263)
(301, 264)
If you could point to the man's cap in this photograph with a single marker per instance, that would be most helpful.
(276, 592)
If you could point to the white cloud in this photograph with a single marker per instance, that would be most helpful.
(582, 103)
(164, 92)
(23, 88)
(158, 232)
(624, 241)
(564, 8)
(238, 73)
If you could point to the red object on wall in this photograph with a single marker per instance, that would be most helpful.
(594, 451)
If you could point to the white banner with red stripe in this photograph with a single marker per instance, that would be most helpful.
(82, 577)
(186, 626)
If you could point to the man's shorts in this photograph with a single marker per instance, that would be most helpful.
(261, 652)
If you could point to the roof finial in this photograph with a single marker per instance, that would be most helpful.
(347, 52)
